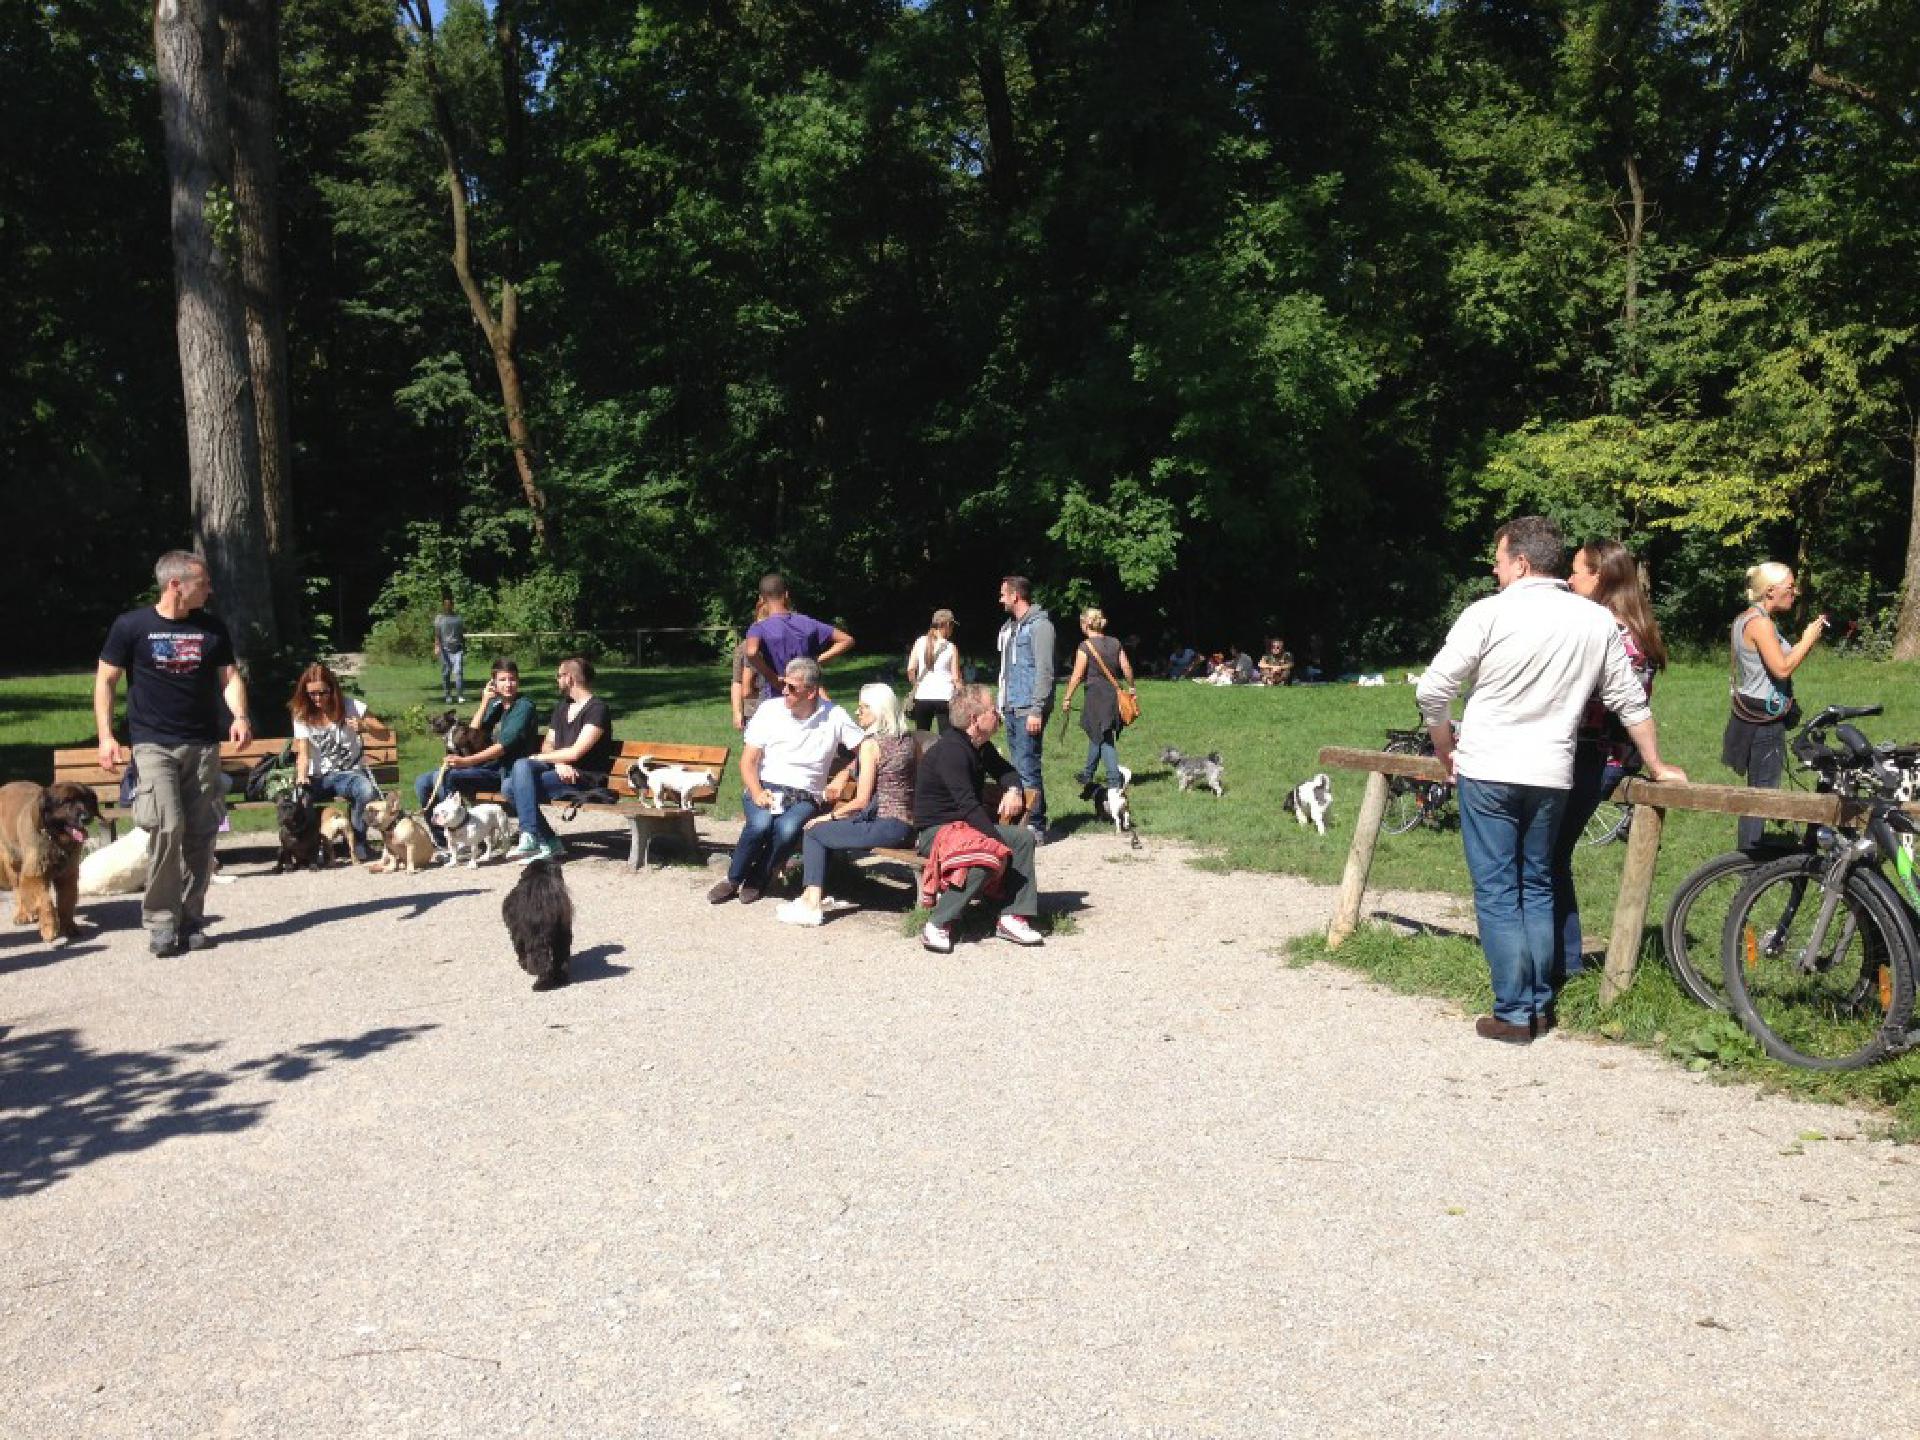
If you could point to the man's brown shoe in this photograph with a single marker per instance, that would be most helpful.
(1544, 1024)
(1492, 1027)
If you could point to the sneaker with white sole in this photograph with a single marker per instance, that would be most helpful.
(525, 848)
(937, 938)
(1016, 929)
(794, 913)
(550, 849)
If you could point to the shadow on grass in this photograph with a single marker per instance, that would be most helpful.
(68, 1104)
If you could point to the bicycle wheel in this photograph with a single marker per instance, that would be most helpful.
(1696, 918)
(1404, 796)
(1822, 980)
(1607, 824)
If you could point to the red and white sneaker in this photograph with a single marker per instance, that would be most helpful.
(1016, 929)
(937, 938)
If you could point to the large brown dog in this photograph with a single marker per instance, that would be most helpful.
(42, 830)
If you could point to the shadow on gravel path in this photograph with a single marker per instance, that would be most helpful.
(64, 1105)
(417, 905)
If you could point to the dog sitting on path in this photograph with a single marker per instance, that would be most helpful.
(300, 843)
(403, 837)
(475, 829)
(1312, 800)
(43, 829)
(539, 916)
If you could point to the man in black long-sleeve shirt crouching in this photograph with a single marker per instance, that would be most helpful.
(948, 786)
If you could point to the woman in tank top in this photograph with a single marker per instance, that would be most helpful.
(877, 816)
(933, 669)
(1755, 743)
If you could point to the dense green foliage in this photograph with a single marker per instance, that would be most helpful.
(1233, 314)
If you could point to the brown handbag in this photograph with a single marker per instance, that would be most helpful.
(1128, 702)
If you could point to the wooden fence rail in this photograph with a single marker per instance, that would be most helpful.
(1650, 800)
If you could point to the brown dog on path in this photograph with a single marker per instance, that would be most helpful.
(42, 831)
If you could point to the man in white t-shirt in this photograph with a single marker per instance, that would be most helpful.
(1533, 653)
(789, 752)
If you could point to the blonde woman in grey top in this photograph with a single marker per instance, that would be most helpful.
(878, 815)
(1761, 685)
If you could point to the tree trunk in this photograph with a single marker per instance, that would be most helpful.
(252, 33)
(503, 330)
(223, 442)
(1003, 162)
(1906, 631)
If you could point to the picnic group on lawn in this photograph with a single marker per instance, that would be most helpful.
(1558, 670)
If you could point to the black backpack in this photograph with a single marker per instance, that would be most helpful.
(271, 776)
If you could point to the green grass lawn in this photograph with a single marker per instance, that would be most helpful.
(1269, 739)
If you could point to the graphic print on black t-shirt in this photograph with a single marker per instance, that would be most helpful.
(173, 672)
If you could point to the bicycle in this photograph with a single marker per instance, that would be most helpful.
(1831, 986)
(1414, 802)
(1696, 914)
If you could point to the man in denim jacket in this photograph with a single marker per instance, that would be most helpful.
(1026, 690)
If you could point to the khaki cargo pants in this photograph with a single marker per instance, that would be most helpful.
(180, 804)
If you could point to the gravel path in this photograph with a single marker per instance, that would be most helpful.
(346, 1176)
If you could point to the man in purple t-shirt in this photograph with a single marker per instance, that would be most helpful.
(783, 635)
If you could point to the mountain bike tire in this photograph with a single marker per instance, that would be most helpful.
(1841, 1008)
(1696, 920)
(1607, 824)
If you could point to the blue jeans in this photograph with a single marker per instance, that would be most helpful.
(1509, 833)
(353, 786)
(452, 681)
(1023, 752)
(816, 851)
(1100, 752)
(766, 840)
(1589, 786)
(528, 783)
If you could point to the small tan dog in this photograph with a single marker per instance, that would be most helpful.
(337, 829)
(405, 837)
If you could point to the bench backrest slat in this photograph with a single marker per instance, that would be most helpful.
(693, 757)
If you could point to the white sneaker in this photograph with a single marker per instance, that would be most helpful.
(1016, 929)
(937, 938)
(794, 913)
(831, 906)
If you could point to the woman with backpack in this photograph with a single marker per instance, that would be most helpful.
(328, 750)
(933, 669)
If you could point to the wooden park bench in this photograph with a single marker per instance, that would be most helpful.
(82, 767)
(646, 821)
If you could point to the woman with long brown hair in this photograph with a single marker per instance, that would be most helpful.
(1605, 572)
(327, 724)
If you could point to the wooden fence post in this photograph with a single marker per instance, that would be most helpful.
(1353, 885)
(1630, 910)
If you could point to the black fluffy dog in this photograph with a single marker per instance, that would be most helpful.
(539, 916)
(299, 831)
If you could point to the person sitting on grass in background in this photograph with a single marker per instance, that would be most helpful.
(1185, 663)
(879, 813)
(326, 734)
(950, 811)
(506, 715)
(784, 766)
(577, 754)
(1276, 666)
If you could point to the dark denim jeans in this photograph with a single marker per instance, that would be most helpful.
(1103, 751)
(766, 840)
(1023, 753)
(817, 849)
(528, 783)
(1589, 785)
(1509, 833)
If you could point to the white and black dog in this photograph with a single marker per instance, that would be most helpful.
(650, 776)
(1312, 800)
(475, 829)
(1110, 802)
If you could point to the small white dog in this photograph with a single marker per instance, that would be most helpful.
(648, 776)
(1111, 802)
(476, 829)
(1312, 801)
(119, 868)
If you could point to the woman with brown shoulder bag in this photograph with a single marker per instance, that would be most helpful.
(1108, 706)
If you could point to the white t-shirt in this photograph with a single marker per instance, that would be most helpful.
(332, 748)
(800, 752)
(936, 676)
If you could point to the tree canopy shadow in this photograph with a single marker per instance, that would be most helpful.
(416, 904)
(64, 1104)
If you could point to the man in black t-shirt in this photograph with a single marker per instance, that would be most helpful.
(179, 665)
(577, 754)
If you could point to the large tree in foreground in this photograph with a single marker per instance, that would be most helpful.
(223, 443)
